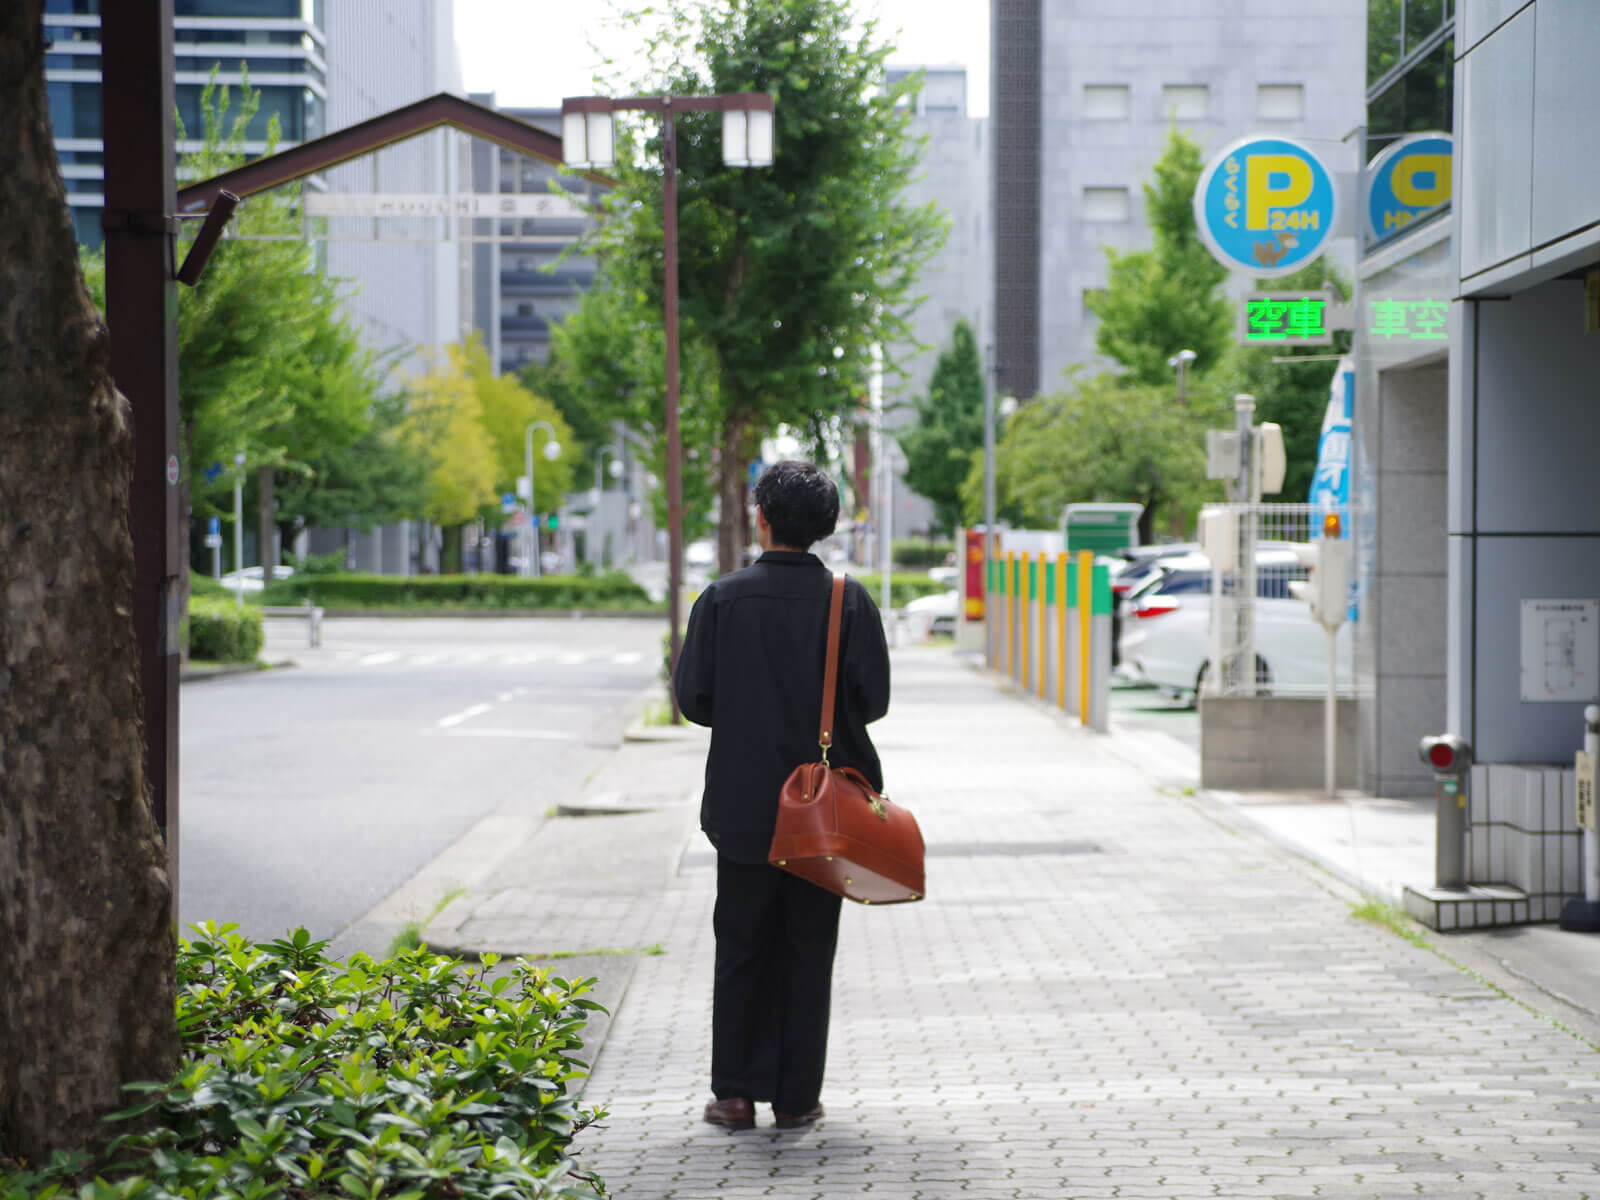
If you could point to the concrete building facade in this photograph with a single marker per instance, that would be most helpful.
(955, 284)
(1076, 136)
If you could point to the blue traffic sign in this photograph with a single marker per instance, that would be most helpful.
(1266, 205)
(756, 469)
(213, 526)
(1410, 179)
(508, 502)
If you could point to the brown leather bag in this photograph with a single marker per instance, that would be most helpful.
(833, 828)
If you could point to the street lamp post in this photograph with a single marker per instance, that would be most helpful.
(587, 139)
(1180, 362)
(599, 494)
(552, 451)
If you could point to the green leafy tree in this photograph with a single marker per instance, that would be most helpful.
(609, 359)
(789, 274)
(376, 478)
(1102, 438)
(446, 424)
(269, 366)
(507, 409)
(1164, 299)
(939, 448)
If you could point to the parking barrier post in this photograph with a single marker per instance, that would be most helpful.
(1059, 574)
(1070, 622)
(1044, 621)
(1099, 672)
(1085, 629)
(1011, 611)
(1025, 673)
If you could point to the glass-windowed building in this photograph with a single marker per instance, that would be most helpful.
(280, 43)
(1402, 346)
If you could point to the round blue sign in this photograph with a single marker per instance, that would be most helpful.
(1266, 205)
(1410, 178)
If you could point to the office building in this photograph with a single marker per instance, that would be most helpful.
(955, 284)
(1084, 94)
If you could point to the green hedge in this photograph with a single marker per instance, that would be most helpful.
(921, 554)
(302, 1076)
(613, 590)
(221, 631)
(903, 588)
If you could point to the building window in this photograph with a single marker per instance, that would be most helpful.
(1186, 101)
(1280, 101)
(524, 310)
(1105, 204)
(1420, 99)
(1107, 101)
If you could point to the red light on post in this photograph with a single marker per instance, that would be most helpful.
(1441, 756)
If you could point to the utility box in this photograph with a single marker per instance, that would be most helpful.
(1101, 528)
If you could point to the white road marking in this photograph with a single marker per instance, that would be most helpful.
(626, 659)
(466, 714)
(426, 660)
(506, 697)
(543, 735)
(572, 660)
(377, 660)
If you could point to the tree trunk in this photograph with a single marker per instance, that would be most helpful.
(86, 946)
(730, 492)
(266, 503)
(450, 549)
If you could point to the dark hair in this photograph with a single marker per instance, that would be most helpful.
(800, 502)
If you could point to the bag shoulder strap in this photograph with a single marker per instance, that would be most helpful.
(830, 679)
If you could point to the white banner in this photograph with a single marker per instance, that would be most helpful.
(422, 204)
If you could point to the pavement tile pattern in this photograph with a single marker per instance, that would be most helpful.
(1107, 994)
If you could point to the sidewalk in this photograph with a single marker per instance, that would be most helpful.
(1114, 989)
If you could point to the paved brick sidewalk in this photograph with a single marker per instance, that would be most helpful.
(1106, 995)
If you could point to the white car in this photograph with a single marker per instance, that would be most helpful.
(1166, 629)
(938, 610)
(249, 579)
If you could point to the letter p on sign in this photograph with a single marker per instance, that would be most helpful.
(1274, 181)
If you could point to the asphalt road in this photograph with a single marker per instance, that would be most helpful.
(311, 792)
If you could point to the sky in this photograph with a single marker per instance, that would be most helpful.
(531, 53)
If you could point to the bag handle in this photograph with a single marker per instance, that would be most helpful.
(830, 679)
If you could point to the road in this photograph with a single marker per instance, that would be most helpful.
(311, 792)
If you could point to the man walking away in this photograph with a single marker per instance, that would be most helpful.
(752, 669)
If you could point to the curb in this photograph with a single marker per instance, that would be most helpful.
(225, 670)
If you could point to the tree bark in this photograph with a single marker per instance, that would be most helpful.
(266, 503)
(730, 492)
(86, 945)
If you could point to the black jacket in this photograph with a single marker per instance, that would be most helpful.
(751, 667)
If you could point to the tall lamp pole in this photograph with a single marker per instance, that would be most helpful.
(552, 451)
(588, 140)
(1180, 362)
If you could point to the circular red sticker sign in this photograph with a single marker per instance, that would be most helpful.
(172, 469)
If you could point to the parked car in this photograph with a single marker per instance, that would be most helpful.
(939, 610)
(1166, 635)
(249, 579)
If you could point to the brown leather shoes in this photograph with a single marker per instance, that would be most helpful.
(736, 1112)
(802, 1121)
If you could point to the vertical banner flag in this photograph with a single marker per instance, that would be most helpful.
(975, 573)
(1330, 486)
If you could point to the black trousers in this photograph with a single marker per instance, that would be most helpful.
(776, 935)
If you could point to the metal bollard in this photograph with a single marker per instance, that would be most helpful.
(1449, 757)
(1582, 915)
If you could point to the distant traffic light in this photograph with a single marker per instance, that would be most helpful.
(552, 521)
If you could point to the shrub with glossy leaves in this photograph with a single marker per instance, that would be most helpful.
(415, 1078)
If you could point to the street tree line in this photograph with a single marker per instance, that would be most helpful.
(791, 275)
(1119, 432)
(273, 370)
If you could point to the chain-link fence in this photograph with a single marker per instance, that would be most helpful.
(1263, 638)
